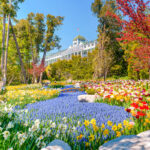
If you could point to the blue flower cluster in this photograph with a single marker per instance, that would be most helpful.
(67, 105)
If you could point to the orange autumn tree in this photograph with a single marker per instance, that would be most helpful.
(135, 27)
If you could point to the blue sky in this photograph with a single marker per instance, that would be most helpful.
(76, 13)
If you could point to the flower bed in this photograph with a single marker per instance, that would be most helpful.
(88, 121)
(78, 133)
(25, 94)
(56, 85)
(81, 125)
(133, 95)
(121, 93)
(24, 87)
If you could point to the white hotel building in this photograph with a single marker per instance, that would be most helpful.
(80, 47)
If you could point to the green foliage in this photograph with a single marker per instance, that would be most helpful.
(56, 85)
(34, 34)
(144, 74)
(131, 73)
(116, 70)
(2, 91)
(52, 40)
(110, 27)
(77, 68)
(90, 91)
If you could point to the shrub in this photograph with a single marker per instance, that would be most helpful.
(91, 91)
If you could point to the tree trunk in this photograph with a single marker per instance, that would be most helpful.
(36, 55)
(10, 81)
(3, 46)
(104, 68)
(23, 71)
(33, 57)
(138, 75)
(149, 74)
(43, 59)
(106, 73)
(6, 51)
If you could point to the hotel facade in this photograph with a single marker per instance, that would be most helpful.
(80, 46)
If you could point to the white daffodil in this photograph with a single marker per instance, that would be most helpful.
(57, 135)
(50, 121)
(64, 119)
(22, 137)
(41, 137)
(10, 125)
(37, 123)
(48, 132)
(79, 123)
(6, 134)
(33, 128)
(73, 128)
(53, 125)
(26, 110)
(64, 127)
(22, 140)
(5, 108)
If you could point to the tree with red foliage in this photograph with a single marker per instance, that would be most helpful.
(37, 70)
(135, 27)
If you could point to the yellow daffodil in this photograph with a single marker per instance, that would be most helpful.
(93, 122)
(86, 123)
(119, 126)
(114, 127)
(87, 144)
(103, 126)
(118, 133)
(125, 123)
(106, 132)
(109, 123)
(80, 137)
(91, 137)
(95, 128)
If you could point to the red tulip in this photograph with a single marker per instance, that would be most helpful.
(137, 116)
(128, 110)
(144, 103)
(134, 105)
(139, 113)
(144, 107)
